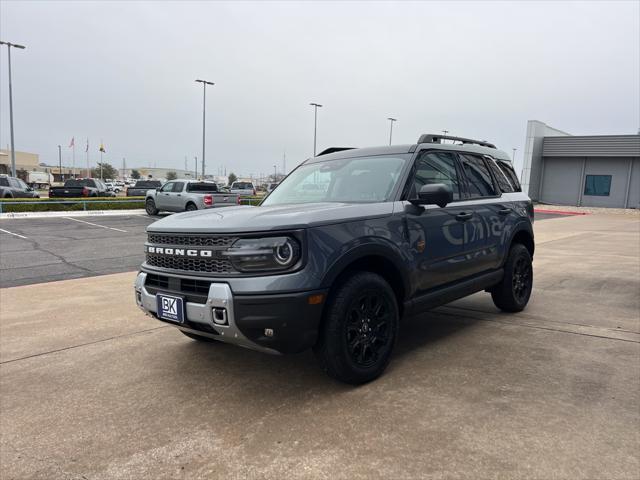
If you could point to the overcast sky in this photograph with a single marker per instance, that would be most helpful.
(124, 72)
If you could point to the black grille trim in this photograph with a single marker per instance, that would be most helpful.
(191, 240)
(191, 264)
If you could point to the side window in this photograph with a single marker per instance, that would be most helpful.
(478, 176)
(598, 185)
(436, 167)
(500, 177)
(14, 183)
(511, 174)
(23, 185)
(178, 186)
(167, 187)
(4, 182)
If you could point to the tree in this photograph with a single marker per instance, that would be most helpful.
(107, 171)
(232, 178)
(135, 174)
(172, 175)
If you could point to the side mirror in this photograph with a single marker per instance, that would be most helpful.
(434, 194)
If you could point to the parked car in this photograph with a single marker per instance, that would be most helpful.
(113, 187)
(271, 186)
(382, 233)
(81, 187)
(243, 188)
(141, 187)
(187, 195)
(12, 187)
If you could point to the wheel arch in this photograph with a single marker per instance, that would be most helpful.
(523, 236)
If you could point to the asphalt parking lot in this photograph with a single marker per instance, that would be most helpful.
(91, 388)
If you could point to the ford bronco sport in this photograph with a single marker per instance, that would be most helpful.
(350, 242)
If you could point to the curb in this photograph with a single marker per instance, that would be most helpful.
(72, 213)
(559, 212)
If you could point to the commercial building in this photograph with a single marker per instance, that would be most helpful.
(24, 161)
(586, 170)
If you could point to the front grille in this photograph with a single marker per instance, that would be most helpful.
(195, 291)
(189, 264)
(191, 240)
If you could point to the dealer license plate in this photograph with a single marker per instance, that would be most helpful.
(170, 308)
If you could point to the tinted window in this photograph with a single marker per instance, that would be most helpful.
(14, 183)
(4, 182)
(86, 182)
(178, 186)
(597, 185)
(22, 184)
(436, 167)
(500, 177)
(147, 184)
(202, 187)
(478, 176)
(242, 185)
(508, 170)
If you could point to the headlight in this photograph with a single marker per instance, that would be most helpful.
(264, 254)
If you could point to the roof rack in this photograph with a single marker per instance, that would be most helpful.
(329, 150)
(434, 138)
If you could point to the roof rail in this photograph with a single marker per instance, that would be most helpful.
(434, 138)
(329, 150)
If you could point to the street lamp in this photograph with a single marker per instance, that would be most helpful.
(391, 120)
(513, 159)
(204, 104)
(13, 148)
(275, 174)
(315, 124)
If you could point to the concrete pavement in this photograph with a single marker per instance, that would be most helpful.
(91, 388)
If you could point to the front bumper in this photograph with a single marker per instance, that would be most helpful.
(275, 323)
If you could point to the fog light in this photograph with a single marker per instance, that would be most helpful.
(268, 332)
(220, 316)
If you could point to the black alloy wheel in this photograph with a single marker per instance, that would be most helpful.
(513, 292)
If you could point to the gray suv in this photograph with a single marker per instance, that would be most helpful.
(348, 244)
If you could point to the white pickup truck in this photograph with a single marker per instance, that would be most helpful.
(187, 195)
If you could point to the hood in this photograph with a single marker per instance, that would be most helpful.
(260, 219)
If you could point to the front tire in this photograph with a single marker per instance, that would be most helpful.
(360, 329)
(513, 292)
(150, 207)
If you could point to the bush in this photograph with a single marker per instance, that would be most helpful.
(75, 204)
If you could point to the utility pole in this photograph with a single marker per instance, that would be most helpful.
(391, 120)
(275, 174)
(284, 162)
(13, 147)
(195, 172)
(513, 158)
(315, 124)
(60, 162)
(124, 167)
(204, 109)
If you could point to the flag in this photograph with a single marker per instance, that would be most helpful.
(102, 148)
(73, 142)
(87, 149)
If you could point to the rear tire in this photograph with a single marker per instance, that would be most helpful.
(199, 338)
(360, 329)
(513, 292)
(150, 207)
(191, 207)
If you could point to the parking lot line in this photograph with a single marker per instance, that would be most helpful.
(11, 233)
(96, 225)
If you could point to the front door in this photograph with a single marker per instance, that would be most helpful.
(163, 197)
(436, 235)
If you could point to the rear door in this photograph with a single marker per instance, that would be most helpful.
(485, 230)
(436, 235)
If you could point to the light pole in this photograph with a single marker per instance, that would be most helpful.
(315, 124)
(275, 174)
(13, 148)
(513, 159)
(196, 168)
(204, 104)
(391, 120)
(60, 162)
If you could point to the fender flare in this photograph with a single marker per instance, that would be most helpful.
(387, 252)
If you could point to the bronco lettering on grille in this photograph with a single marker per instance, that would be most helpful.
(180, 252)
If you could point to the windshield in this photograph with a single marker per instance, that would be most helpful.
(350, 180)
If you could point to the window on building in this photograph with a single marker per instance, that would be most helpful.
(478, 176)
(436, 167)
(597, 185)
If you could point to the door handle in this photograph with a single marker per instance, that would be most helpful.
(463, 217)
(179, 195)
(504, 211)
